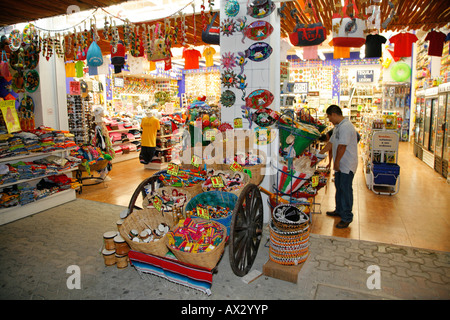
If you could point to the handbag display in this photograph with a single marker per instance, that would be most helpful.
(348, 30)
(305, 35)
(212, 34)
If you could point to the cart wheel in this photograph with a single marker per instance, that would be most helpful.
(139, 194)
(246, 230)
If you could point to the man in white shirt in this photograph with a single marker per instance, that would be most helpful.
(344, 146)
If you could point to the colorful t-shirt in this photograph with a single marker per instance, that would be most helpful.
(70, 70)
(208, 53)
(403, 43)
(436, 45)
(79, 65)
(340, 52)
(150, 127)
(191, 57)
(374, 45)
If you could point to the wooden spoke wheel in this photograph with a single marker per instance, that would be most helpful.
(145, 187)
(246, 230)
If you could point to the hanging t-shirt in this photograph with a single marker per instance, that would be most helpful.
(191, 57)
(374, 45)
(208, 53)
(70, 70)
(403, 43)
(310, 52)
(79, 65)
(436, 45)
(285, 46)
(150, 127)
(340, 52)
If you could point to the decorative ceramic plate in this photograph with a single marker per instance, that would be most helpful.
(258, 51)
(258, 30)
(260, 8)
(259, 99)
(31, 81)
(15, 40)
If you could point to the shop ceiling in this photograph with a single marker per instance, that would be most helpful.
(410, 14)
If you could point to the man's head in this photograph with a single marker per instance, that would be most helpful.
(334, 114)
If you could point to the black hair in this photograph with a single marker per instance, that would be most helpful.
(334, 109)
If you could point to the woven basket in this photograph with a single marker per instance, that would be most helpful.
(288, 247)
(215, 198)
(207, 259)
(143, 219)
(169, 190)
(237, 191)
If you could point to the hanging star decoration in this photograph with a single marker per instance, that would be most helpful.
(228, 61)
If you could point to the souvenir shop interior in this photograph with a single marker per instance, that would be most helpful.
(239, 91)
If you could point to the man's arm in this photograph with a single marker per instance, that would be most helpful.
(339, 153)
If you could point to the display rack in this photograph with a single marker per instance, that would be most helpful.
(20, 211)
(382, 171)
(80, 118)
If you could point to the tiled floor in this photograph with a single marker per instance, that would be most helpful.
(417, 216)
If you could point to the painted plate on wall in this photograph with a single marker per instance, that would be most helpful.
(258, 30)
(259, 51)
(258, 99)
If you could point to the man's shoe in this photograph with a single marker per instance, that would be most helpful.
(342, 224)
(332, 213)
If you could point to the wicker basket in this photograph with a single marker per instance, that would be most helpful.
(215, 198)
(207, 259)
(143, 219)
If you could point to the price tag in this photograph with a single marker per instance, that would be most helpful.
(236, 167)
(157, 203)
(172, 169)
(237, 123)
(10, 115)
(202, 213)
(196, 161)
(314, 181)
(210, 135)
(74, 88)
(217, 182)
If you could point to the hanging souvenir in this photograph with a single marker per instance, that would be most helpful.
(241, 84)
(263, 136)
(15, 40)
(228, 27)
(29, 33)
(18, 82)
(27, 103)
(224, 126)
(265, 117)
(212, 34)
(228, 60)
(260, 8)
(203, 16)
(229, 79)
(4, 68)
(247, 114)
(258, 30)
(232, 8)
(241, 61)
(241, 24)
(227, 98)
(258, 51)
(31, 81)
(258, 99)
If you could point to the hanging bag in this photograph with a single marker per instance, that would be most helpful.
(4, 67)
(307, 35)
(348, 30)
(212, 34)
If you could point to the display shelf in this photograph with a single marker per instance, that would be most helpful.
(18, 212)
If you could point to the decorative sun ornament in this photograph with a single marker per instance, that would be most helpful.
(229, 79)
(228, 60)
(228, 27)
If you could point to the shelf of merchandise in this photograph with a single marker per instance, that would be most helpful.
(17, 212)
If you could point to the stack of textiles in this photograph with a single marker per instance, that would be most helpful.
(26, 194)
(9, 197)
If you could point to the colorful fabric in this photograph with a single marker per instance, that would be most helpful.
(437, 40)
(176, 271)
(403, 43)
(208, 53)
(191, 57)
